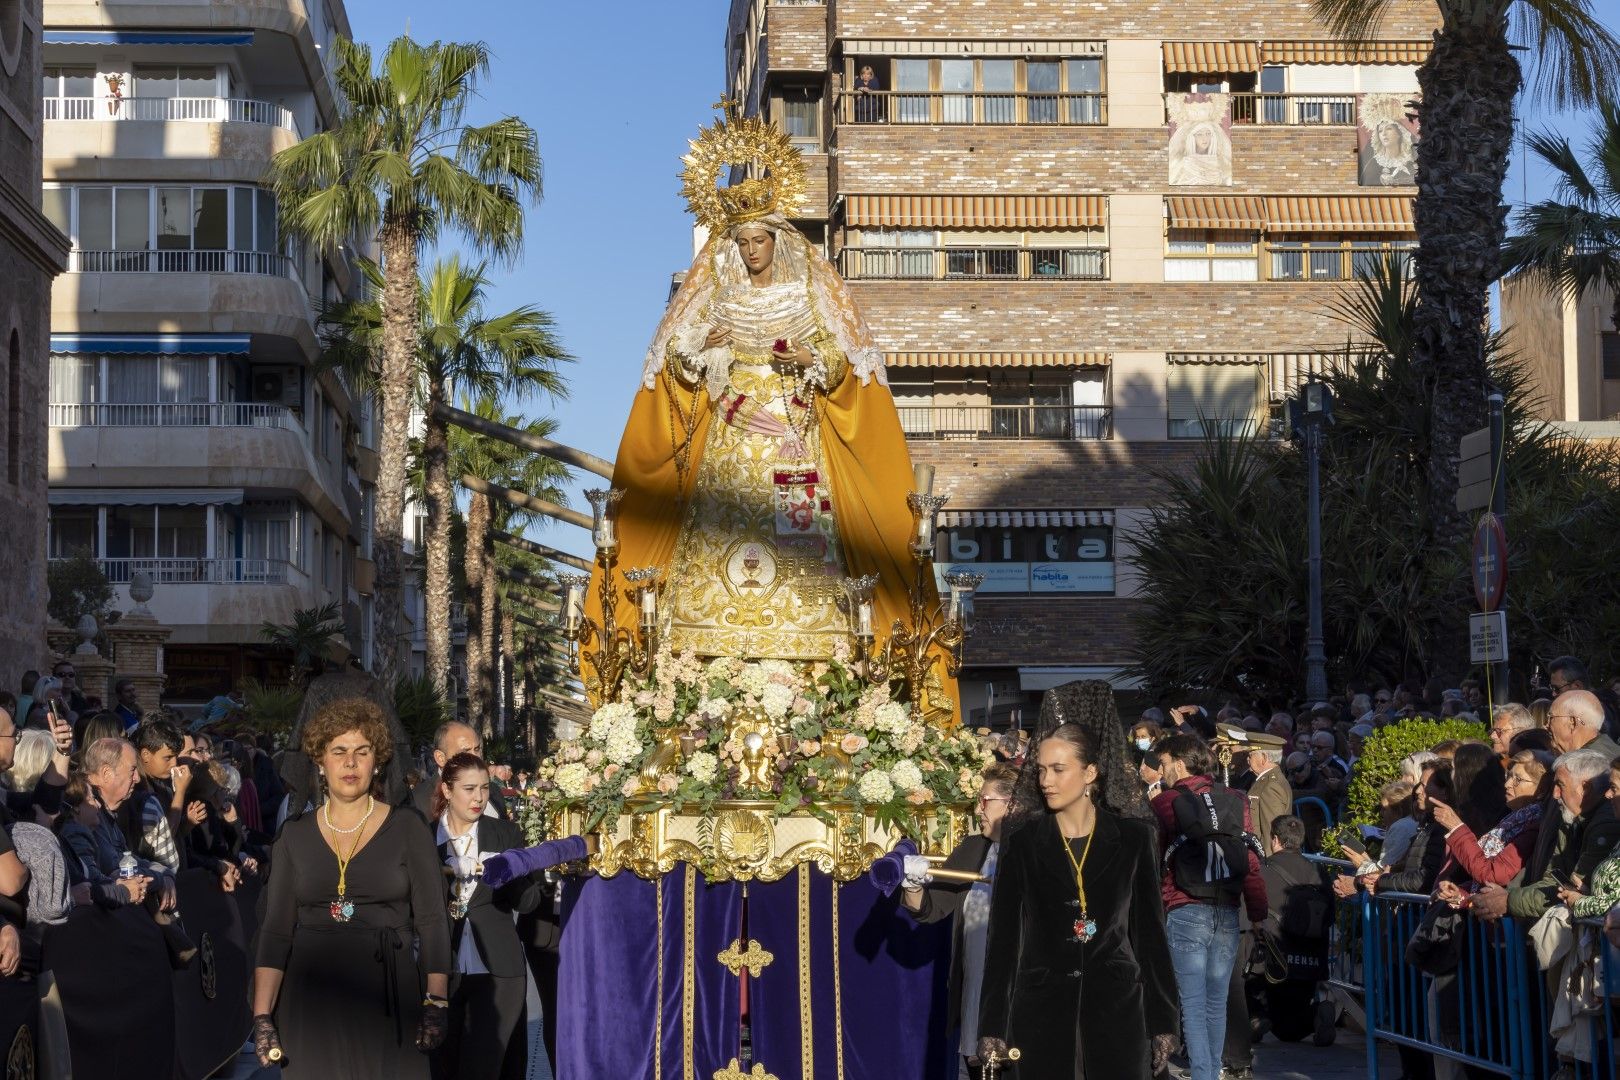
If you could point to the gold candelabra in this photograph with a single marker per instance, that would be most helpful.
(909, 652)
(619, 648)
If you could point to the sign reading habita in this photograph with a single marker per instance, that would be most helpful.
(1071, 553)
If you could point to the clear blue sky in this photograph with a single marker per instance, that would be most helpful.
(614, 91)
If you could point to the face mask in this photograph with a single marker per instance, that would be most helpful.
(1144, 744)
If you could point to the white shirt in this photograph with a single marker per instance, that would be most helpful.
(468, 962)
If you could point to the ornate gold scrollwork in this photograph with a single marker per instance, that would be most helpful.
(755, 957)
(734, 1072)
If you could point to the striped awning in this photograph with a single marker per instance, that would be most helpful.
(978, 211)
(1216, 212)
(1038, 519)
(1211, 56)
(1285, 371)
(1339, 213)
(144, 496)
(995, 359)
(169, 344)
(957, 47)
(149, 37)
(1338, 52)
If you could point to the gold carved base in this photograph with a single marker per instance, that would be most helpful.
(741, 841)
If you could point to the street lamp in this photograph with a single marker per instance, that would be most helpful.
(1308, 415)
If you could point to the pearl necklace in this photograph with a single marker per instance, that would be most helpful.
(326, 815)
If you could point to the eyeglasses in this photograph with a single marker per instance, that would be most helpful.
(1563, 716)
(983, 799)
(12, 734)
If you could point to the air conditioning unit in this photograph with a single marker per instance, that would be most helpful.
(280, 385)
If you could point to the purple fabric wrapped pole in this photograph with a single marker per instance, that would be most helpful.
(889, 871)
(518, 862)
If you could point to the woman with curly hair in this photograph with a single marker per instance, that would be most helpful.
(1089, 704)
(356, 926)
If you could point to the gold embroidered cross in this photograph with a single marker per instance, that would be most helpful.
(754, 958)
(734, 1072)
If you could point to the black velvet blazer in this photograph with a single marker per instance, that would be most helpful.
(1076, 1010)
(490, 911)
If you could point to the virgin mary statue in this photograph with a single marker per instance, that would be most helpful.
(763, 461)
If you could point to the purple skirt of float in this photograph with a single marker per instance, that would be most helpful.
(854, 987)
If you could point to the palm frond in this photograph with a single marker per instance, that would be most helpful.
(1576, 57)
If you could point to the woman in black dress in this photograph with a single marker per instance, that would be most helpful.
(1077, 966)
(486, 1000)
(355, 926)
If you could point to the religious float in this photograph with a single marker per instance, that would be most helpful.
(772, 664)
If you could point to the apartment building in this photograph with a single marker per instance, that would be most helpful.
(33, 252)
(192, 438)
(1570, 348)
(1085, 237)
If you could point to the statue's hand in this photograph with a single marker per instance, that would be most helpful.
(718, 335)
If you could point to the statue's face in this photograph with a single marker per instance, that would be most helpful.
(757, 247)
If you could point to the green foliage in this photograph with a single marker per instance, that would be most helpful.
(306, 637)
(271, 709)
(1386, 748)
(77, 588)
(1388, 595)
(420, 707)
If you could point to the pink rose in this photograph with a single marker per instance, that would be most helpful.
(668, 783)
(809, 747)
(852, 743)
(918, 796)
(610, 772)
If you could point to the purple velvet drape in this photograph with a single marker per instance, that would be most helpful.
(893, 1009)
(606, 993)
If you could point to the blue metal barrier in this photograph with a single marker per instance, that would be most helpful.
(1493, 1011)
(1313, 801)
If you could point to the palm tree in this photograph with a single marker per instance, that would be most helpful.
(400, 167)
(463, 351)
(1570, 243)
(497, 463)
(1469, 83)
(306, 638)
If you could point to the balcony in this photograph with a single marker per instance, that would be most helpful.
(1336, 260)
(198, 571)
(1292, 110)
(1006, 422)
(990, 108)
(173, 414)
(181, 262)
(208, 110)
(974, 264)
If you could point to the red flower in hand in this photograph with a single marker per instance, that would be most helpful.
(780, 346)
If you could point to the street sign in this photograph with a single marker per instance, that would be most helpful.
(1489, 562)
(1487, 638)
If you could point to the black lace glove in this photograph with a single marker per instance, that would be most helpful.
(435, 1022)
(989, 1046)
(1162, 1045)
(266, 1043)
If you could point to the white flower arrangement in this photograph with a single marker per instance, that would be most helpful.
(907, 777)
(776, 699)
(572, 778)
(702, 766)
(876, 787)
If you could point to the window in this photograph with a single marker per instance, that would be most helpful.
(1084, 76)
(1332, 258)
(1215, 399)
(73, 378)
(157, 532)
(1210, 82)
(1610, 347)
(992, 90)
(69, 92)
(801, 114)
(146, 380)
(175, 81)
(1027, 403)
(140, 219)
(1210, 255)
(73, 531)
(897, 253)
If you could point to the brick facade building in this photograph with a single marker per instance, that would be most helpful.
(1084, 241)
(33, 252)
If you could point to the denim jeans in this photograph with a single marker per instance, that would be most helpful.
(1203, 945)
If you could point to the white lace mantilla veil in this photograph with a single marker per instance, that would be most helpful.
(720, 264)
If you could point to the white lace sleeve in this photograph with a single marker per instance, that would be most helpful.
(699, 364)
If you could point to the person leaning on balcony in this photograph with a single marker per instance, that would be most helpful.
(868, 102)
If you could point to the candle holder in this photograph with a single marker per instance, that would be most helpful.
(604, 517)
(858, 594)
(924, 511)
(963, 584)
(619, 648)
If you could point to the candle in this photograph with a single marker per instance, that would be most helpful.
(574, 601)
(925, 533)
(863, 619)
(922, 479)
(604, 507)
(649, 606)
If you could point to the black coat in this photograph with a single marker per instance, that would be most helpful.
(490, 911)
(1078, 1009)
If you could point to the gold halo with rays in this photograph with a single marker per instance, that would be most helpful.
(741, 140)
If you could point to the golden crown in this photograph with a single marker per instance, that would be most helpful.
(777, 185)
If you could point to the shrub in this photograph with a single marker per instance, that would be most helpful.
(271, 709)
(77, 588)
(1386, 748)
(420, 708)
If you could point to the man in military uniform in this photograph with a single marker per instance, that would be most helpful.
(1270, 797)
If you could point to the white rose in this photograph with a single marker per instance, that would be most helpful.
(906, 776)
(703, 765)
(714, 708)
(571, 778)
(777, 700)
(630, 786)
(876, 787)
(891, 718)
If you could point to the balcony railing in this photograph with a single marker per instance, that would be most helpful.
(970, 422)
(172, 414)
(203, 109)
(1293, 110)
(197, 571)
(181, 262)
(971, 107)
(970, 263)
